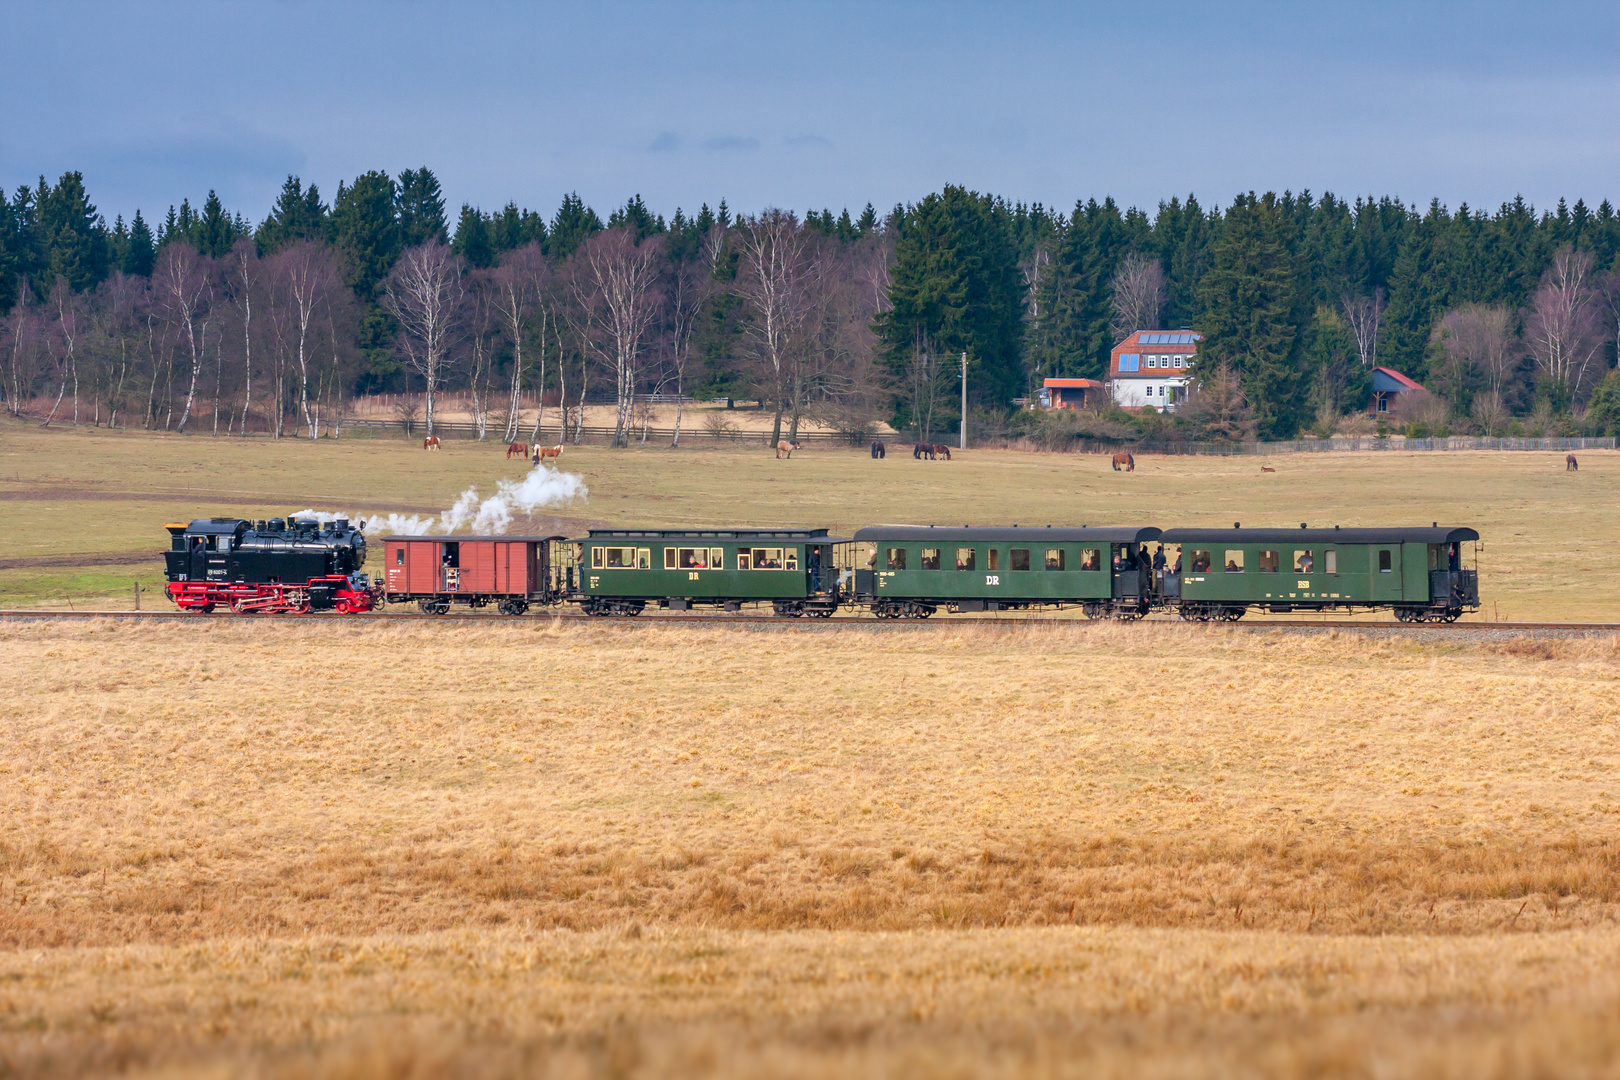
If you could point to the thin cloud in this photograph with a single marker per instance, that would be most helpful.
(731, 142)
(816, 141)
(667, 143)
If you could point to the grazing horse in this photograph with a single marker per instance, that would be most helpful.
(923, 450)
(430, 443)
(786, 446)
(1570, 464)
(879, 450)
(517, 449)
(1124, 461)
(941, 451)
(543, 452)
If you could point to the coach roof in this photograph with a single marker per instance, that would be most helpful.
(1010, 534)
(1434, 535)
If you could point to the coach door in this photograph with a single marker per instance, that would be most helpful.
(1385, 572)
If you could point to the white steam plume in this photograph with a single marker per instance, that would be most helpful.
(543, 488)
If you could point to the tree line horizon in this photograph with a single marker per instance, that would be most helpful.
(1508, 318)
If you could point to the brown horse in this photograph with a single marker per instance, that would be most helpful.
(879, 450)
(1124, 461)
(1570, 464)
(923, 450)
(942, 451)
(786, 446)
(517, 449)
(430, 443)
(1267, 468)
(543, 452)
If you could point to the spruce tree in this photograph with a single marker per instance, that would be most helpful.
(73, 236)
(574, 222)
(366, 231)
(140, 253)
(420, 207)
(214, 233)
(1247, 300)
(472, 241)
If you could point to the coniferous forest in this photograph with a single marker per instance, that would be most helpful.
(207, 321)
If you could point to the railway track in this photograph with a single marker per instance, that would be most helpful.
(733, 619)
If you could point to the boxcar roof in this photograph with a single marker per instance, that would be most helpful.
(811, 535)
(459, 539)
(1012, 534)
(1435, 535)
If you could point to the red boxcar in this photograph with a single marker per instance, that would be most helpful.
(511, 572)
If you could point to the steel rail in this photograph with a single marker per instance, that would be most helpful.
(744, 619)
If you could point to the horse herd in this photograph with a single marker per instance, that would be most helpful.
(533, 451)
(930, 451)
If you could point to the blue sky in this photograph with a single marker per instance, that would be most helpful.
(816, 104)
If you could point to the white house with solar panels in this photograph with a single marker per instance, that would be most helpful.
(1151, 369)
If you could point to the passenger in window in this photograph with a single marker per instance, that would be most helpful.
(1303, 562)
(1158, 558)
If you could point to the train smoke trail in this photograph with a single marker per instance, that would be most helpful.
(543, 488)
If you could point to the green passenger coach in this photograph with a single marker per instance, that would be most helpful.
(621, 571)
(911, 570)
(1420, 573)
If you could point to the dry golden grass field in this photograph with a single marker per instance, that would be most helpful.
(83, 509)
(537, 848)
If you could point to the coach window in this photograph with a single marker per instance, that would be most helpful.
(767, 558)
(692, 558)
(1303, 562)
(1054, 558)
(1200, 561)
(1268, 562)
(399, 556)
(1383, 561)
(930, 558)
(897, 559)
(1018, 558)
(1330, 560)
(967, 558)
(745, 560)
(669, 558)
(1091, 559)
(992, 559)
(717, 558)
(790, 559)
(598, 558)
(1234, 560)
(644, 559)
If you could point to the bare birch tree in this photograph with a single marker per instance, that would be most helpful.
(518, 281)
(1478, 338)
(63, 344)
(691, 283)
(1563, 330)
(304, 277)
(424, 292)
(244, 281)
(184, 286)
(615, 292)
(772, 281)
(1365, 315)
(1138, 288)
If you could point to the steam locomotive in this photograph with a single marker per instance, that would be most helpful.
(279, 566)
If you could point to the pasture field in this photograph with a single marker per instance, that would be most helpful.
(562, 849)
(83, 509)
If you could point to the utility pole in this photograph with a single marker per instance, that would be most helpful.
(964, 402)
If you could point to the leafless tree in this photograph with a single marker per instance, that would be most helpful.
(23, 331)
(483, 328)
(115, 323)
(424, 292)
(185, 287)
(305, 278)
(1138, 288)
(518, 284)
(928, 377)
(1216, 408)
(244, 281)
(773, 280)
(691, 281)
(1563, 331)
(62, 341)
(1478, 338)
(615, 293)
(1364, 314)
